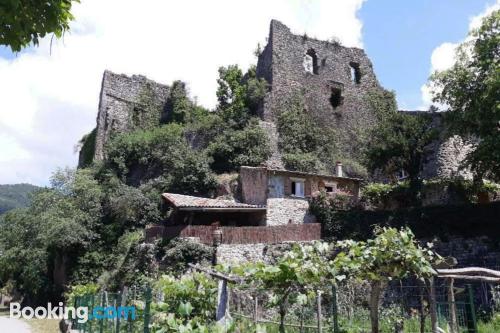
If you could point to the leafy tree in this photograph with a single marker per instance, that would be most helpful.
(162, 156)
(399, 143)
(239, 95)
(470, 88)
(392, 254)
(234, 148)
(60, 223)
(23, 22)
(293, 277)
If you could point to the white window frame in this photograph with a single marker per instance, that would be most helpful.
(302, 193)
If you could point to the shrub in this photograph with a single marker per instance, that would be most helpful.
(234, 148)
(178, 253)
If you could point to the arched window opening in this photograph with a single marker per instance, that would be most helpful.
(355, 72)
(311, 62)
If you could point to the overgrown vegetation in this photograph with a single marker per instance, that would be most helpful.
(400, 143)
(470, 88)
(303, 145)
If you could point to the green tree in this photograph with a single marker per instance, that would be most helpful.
(294, 277)
(392, 254)
(234, 148)
(24, 21)
(471, 90)
(399, 143)
(61, 222)
(163, 157)
(239, 95)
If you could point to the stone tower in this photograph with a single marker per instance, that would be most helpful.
(333, 81)
(127, 103)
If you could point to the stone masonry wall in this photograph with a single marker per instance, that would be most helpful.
(127, 103)
(282, 64)
(446, 154)
(476, 251)
(281, 211)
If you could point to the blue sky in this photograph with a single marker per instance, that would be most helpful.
(50, 95)
(400, 36)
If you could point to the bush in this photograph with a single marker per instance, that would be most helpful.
(178, 253)
(234, 148)
(145, 155)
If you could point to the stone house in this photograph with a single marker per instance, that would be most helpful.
(285, 193)
(270, 197)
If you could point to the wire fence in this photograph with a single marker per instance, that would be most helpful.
(339, 309)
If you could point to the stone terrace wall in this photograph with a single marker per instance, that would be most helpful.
(127, 103)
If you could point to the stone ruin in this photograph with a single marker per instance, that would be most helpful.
(333, 82)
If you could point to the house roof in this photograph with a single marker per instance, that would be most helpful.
(313, 174)
(191, 203)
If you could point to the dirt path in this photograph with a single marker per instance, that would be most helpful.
(13, 325)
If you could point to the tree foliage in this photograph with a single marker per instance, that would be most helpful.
(400, 143)
(234, 148)
(161, 155)
(471, 90)
(239, 95)
(23, 22)
(305, 145)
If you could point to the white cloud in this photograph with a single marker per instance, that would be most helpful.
(443, 56)
(50, 96)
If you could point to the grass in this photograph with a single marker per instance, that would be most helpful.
(44, 325)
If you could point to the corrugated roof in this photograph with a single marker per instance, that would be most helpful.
(188, 201)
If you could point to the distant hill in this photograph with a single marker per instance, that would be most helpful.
(14, 196)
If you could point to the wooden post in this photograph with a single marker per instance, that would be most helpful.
(432, 305)
(335, 310)
(451, 306)
(256, 310)
(319, 312)
(222, 311)
(374, 302)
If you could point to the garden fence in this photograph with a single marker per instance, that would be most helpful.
(340, 309)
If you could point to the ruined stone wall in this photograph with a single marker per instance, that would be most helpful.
(127, 103)
(282, 65)
(282, 211)
(446, 154)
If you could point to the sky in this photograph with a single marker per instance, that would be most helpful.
(49, 95)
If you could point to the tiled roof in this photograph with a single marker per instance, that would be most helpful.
(187, 201)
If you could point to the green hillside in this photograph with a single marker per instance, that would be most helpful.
(13, 196)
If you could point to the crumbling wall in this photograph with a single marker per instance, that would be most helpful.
(446, 154)
(127, 103)
(282, 64)
(282, 211)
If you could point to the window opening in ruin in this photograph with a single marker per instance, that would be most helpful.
(311, 62)
(355, 72)
(298, 188)
(329, 189)
(336, 97)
